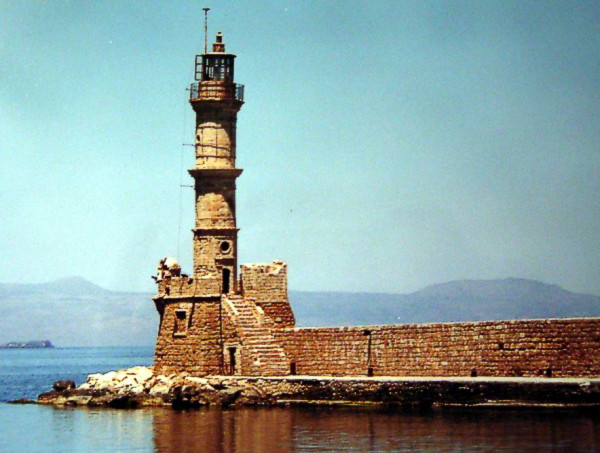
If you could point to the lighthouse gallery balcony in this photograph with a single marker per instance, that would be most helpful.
(216, 91)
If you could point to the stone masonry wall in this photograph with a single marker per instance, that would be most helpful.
(557, 347)
(266, 285)
(187, 286)
(189, 338)
(215, 136)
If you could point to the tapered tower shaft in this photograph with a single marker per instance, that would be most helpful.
(216, 99)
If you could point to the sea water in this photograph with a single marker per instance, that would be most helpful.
(25, 373)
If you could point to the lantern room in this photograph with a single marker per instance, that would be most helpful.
(215, 66)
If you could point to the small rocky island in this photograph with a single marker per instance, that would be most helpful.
(36, 344)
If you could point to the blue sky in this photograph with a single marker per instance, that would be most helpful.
(386, 146)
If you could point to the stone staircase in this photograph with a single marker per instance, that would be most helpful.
(262, 352)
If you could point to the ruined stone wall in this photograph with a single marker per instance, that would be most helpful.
(266, 285)
(183, 286)
(265, 282)
(558, 347)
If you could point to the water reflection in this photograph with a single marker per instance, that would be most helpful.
(257, 430)
(36, 428)
(372, 429)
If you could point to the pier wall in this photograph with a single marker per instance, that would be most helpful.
(549, 348)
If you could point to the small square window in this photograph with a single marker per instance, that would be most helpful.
(180, 328)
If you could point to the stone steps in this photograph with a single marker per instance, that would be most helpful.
(266, 356)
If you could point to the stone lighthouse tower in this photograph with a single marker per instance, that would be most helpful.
(215, 321)
(216, 99)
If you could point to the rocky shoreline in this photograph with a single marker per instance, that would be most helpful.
(140, 387)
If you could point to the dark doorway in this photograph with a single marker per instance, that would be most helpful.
(231, 360)
(226, 278)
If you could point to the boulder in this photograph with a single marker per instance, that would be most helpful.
(78, 400)
(123, 402)
(229, 396)
(159, 389)
(143, 373)
(183, 397)
(53, 397)
(60, 386)
(137, 389)
(197, 380)
(127, 383)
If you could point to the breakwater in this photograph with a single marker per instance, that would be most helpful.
(140, 387)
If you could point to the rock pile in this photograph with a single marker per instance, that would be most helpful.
(139, 386)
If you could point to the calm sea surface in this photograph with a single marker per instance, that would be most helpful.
(31, 428)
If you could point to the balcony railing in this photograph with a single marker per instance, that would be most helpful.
(216, 91)
(239, 92)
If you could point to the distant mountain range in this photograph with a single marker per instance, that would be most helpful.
(75, 312)
(463, 300)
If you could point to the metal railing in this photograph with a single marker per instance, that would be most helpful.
(203, 90)
(239, 92)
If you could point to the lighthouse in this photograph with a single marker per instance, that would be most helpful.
(216, 100)
(214, 321)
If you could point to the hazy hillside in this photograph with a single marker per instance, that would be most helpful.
(465, 300)
(75, 312)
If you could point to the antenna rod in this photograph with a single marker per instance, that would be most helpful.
(206, 10)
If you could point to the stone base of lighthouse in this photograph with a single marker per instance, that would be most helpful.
(229, 333)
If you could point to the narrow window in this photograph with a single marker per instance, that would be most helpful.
(370, 372)
(293, 368)
(180, 328)
(226, 278)
(231, 360)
